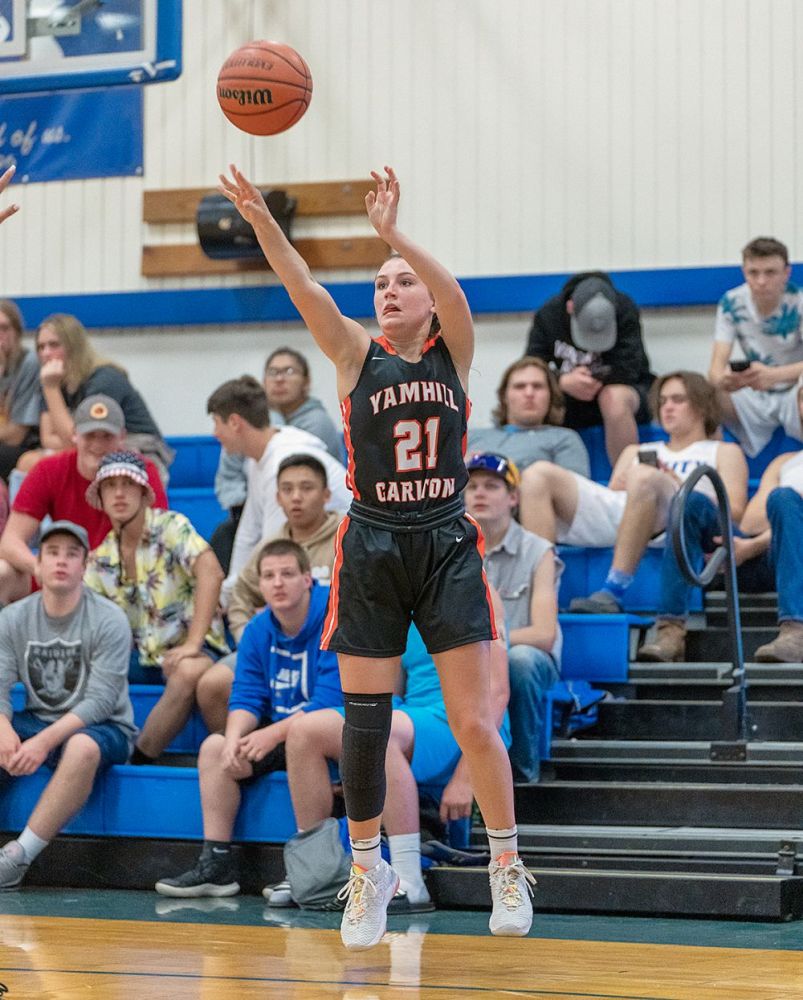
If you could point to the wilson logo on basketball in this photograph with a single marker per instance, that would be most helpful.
(261, 96)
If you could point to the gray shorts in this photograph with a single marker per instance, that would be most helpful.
(760, 413)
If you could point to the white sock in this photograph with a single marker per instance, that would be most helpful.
(32, 846)
(503, 841)
(405, 856)
(366, 853)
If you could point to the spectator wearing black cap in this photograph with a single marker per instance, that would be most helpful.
(525, 570)
(590, 333)
(70, 649)
(56, 488)
(156, 567)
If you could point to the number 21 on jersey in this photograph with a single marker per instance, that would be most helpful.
(416, 444)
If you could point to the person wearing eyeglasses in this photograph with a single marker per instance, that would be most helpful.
(525, 571)
(239, 409)
(286, 379)
(406, 549)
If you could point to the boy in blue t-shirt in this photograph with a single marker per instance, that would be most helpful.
(282, 675)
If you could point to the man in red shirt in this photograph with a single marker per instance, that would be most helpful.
(57, 486)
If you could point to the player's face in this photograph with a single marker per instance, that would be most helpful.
(285, 383)
(488, 498)
(121, 498)
(92, 447)
(527, 397)
(62, 561)
(675, 413)
(48, 345)
(402, 301)
(766, 277)
(281, 582)
(302, 496)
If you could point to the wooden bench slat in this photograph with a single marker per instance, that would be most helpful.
(323, 198)
(188, 259)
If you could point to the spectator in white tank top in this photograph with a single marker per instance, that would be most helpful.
(633, 508)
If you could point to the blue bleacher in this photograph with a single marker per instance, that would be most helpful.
(192, 477)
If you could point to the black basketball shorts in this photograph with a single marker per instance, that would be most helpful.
(382, 579)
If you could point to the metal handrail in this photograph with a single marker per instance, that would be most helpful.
(722, 558)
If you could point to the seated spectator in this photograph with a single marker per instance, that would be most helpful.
(287, 383)
(156, 567)
(422, 751)
(239, 409)
(768, 556)
(591, 334)
(527, 421)
(5, 180)
(70, 649)
(765, 316)
(632, 510)
(282, 674)
(19, 390)
(57, 488)
(302, 493)
(525, 571)
(70, 372)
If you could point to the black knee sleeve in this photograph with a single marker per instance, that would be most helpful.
(362, 765)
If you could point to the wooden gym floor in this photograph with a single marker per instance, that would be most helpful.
(66, 945)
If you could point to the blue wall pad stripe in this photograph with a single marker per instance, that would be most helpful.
(657, 288)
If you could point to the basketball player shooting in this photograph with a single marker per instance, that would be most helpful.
(406, 548)
(5, 180)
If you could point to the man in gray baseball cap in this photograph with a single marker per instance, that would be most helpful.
(99, 413)
(590, 334)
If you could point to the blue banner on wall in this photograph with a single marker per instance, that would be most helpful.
(68, 136)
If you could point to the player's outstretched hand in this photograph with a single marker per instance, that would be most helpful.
(244, 195)
(382, 204)
(5, 180)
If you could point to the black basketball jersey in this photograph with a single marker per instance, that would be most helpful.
(405, 428)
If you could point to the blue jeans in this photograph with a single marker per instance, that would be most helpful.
(532, 674)
(701, 523)
(785, 514)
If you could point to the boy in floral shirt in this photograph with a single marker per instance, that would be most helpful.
(157, 568)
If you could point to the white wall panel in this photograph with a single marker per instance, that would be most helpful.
(529, 135)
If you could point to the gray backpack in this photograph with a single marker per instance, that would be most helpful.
(317, 866)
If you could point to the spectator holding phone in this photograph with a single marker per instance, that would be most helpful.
(590, 333)
(765, 317)
(633, 510)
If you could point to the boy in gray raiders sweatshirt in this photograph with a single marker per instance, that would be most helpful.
(70, 648)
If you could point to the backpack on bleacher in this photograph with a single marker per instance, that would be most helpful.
(575, 707)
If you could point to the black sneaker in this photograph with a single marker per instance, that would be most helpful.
(210, 877)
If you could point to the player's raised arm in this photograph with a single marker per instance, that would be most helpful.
(451, 306)
(5, 180)
(340, 338)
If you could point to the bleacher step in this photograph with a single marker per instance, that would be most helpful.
(681, 893)
(697, 720)
(661, 803)
(670, 751)
(713, 671)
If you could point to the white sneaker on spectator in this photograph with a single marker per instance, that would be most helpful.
(279, 894)
(367, 894)
(511, 889)
(13, 867)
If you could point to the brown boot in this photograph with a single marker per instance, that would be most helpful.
(669, 645)
(787, 647)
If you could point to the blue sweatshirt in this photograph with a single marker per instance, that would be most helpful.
(277, 674)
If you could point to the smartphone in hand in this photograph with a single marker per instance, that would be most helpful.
(648, 458)
(739, 366)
